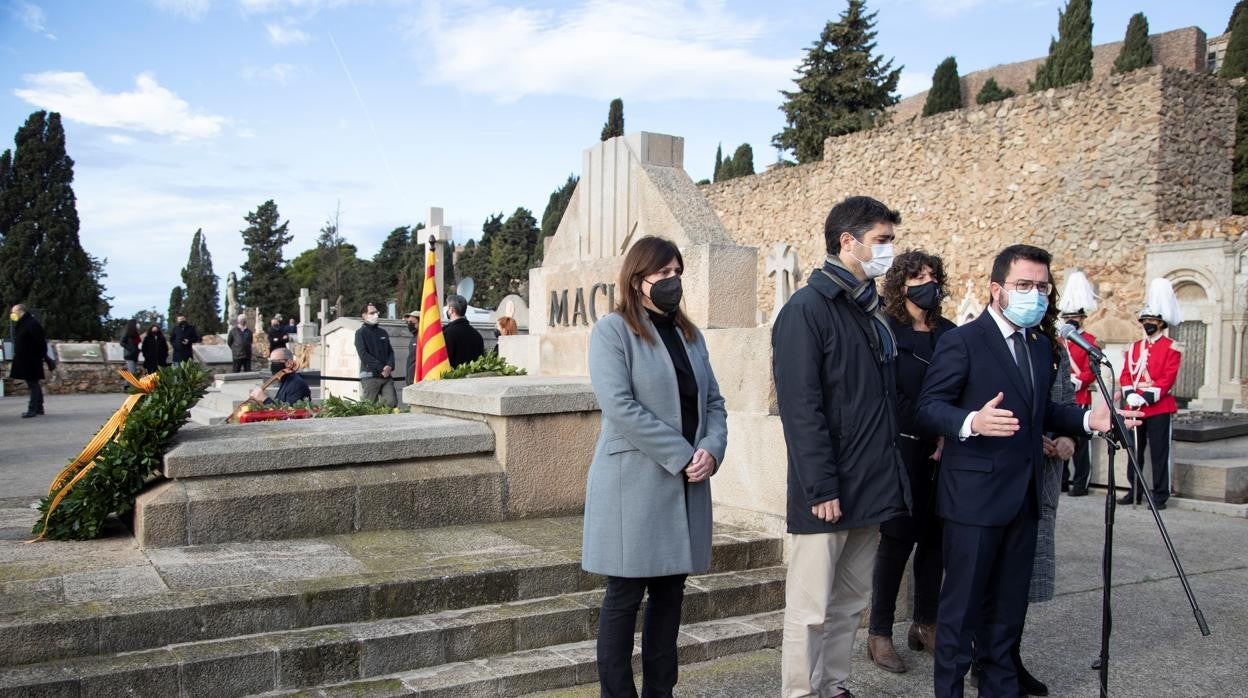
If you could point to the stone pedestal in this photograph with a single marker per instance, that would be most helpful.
(341, 360)
(545, 430)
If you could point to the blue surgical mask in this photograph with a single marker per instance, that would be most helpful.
(1026, 309)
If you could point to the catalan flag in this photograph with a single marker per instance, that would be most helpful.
(430, 346)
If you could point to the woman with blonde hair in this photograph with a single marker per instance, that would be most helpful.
(648, 496)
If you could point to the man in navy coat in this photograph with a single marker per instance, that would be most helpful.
(987, 391)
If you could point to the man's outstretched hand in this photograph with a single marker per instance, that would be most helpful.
(991, 420)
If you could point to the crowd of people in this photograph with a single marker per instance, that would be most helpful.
(905, 434)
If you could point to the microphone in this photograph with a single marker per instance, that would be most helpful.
(1070, 333)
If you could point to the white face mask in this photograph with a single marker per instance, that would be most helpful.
(881, 260)
(371, 318)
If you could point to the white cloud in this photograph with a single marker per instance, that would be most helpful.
(648, 49)
(286, 33)
(191, 9)
(119, 139)
(246, 133)
(280, 73)
(149, 108)
(31, 16)
(913, 82)
(266, 6)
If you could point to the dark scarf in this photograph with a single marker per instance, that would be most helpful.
(867, 298)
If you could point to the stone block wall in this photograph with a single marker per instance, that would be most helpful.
(1181, 48)
(1091, 172)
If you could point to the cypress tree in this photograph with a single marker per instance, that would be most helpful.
(510, 252)
(727, 170)
(264, 284)
(743, 161)
(200, 283)
(992, 92)
(388, 264)
(719, 162)
(412, 273)
(946, 92)
(615, 120)
(1070, 55)
(177, 303)
(42, 262)
(841, 86)
(1136, 52)
(1235, 64)
(476, 262)
(556, 206)
(1239, 6)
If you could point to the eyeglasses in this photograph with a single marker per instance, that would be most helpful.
(1026, 286)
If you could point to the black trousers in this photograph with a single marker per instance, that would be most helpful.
(1154, 435)
(890, 566)
(36, 396)
(1081, 464)
(241, 365)
(984, 598)
(660, 626)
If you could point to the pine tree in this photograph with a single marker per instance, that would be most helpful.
(946, 92)
(264, 284)
(334, 261)
(177, 303)
(412, 273)
(719, 162)
(1235, 63)
(992, 92)
(1070, 55)
(1136, 52)
(841, 86)
(1239, 6)
(615, 120)
(510, 252)
(42, 262)
(476, 262)
(388, 263)
(201, 302)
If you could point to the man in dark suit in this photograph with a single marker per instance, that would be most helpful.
(463, 342)
(987, 391)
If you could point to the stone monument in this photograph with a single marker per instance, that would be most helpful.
(439, 234)
(306, 331)
(631, 186)
(231, 297)
(782, 264)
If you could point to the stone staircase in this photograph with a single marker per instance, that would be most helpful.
(496, 609)
(229, 391)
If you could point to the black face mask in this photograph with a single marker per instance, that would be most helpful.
(276, 366)
(1151, 328)
(411, 327)
(666, 293)
(926, 296)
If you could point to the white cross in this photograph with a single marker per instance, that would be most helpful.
(782, 264)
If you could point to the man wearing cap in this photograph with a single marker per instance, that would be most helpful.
(1150, 368)
(413, 326)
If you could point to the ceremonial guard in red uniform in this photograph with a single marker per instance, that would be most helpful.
(1149, 370)
(1076, 302)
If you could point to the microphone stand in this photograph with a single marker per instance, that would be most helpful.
(1119, 437)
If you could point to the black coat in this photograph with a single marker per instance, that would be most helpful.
(239, 341)
(30, 346)
(463, 343)
(155, 351)
(836, 402)
(984, 481)
(130, 346)
(184, 333)
(372, 343)
(914, 354)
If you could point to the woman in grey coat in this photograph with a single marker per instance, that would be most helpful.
(648, 497)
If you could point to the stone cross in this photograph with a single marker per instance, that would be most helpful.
(782, 264)
(231, 297)
(438, 233)
(968, 309)
(323, 316)
(306, 330)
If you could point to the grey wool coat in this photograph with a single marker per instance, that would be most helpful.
(642, 518)
(1044, 572)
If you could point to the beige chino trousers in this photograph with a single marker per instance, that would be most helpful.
(826, 590)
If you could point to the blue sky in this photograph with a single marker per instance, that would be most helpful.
(186, 114)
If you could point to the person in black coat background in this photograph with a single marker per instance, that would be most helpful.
(30, 353)
(184, 337)
(913, 289)
(155, 349)
(463, 343)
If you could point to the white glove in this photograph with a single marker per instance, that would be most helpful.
(1136, 400)
(1078, 383)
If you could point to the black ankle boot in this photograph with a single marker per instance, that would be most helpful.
(1028, 685)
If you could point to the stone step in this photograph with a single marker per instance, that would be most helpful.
(426, 493)
(316, 443)
(170, 596)
(206, 416)
(415, 650)
(525, 672)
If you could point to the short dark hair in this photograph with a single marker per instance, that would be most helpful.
(457, 303)
(855, 215)
(1013, 253)
(364, 308)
